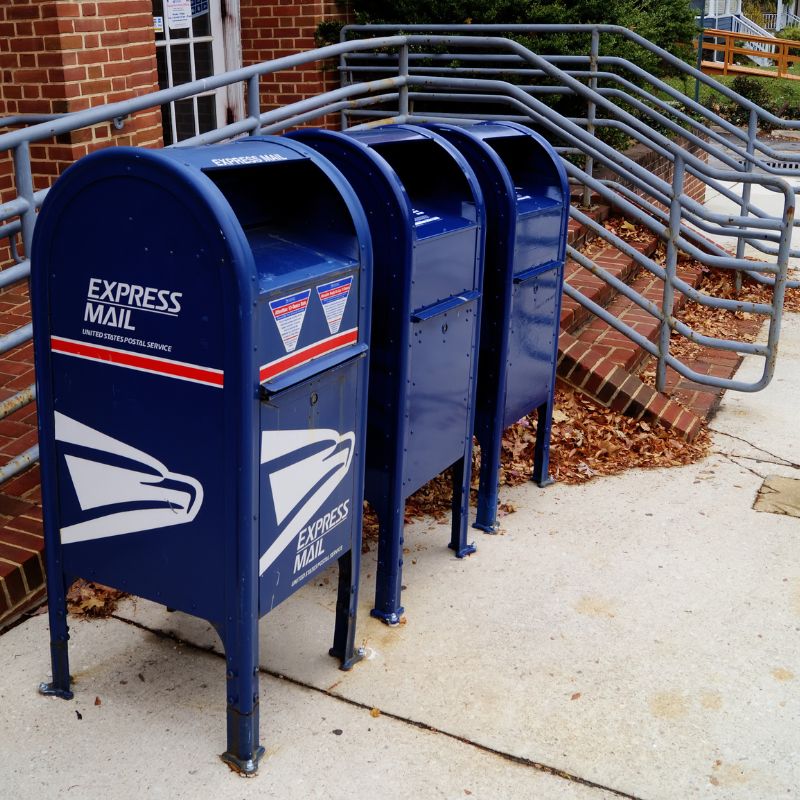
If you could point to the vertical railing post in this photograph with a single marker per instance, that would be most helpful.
(727, 54)
(344, 80)
(588, 164)
(670, 268)
(752, 134)
(24, 181)
(402, 71)
(253, 102)
(701, 37)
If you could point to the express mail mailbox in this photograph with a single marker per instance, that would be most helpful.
(527, 207)
(201, 326)
(425, 214)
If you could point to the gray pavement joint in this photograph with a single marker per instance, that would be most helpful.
(502, 754)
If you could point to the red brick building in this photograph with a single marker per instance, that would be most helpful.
(61, 56)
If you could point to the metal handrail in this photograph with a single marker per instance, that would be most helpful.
(673, 226)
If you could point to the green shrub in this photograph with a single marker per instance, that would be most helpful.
(751, 89)
(667, 23)
(792, 32)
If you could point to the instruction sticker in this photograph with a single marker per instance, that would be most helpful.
(289, 313)
(178, 14)
(422, 217)
(333, 297)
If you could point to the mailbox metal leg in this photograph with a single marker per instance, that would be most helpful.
(241, 655)
(59, 630)
(344, 635)
(388, 584)
(489, 485)
(59, 638)
(458, 532)
(541, 453)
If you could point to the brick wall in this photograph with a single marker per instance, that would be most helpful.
(274, 29)
(664, 168)
(59, 57)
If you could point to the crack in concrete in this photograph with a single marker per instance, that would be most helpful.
(732, 459)
(778, 459)
(754, 458)
(514, 759)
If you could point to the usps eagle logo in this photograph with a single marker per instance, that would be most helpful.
(305, 467)
(119, 488)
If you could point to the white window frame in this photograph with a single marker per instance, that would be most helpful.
(226, 54)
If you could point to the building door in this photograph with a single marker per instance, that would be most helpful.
(191, 44)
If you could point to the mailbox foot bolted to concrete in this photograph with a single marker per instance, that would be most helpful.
(201, 323)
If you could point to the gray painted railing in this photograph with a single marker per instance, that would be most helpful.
(607, 92)
(657, 204)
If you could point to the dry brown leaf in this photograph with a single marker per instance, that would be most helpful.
(87, 599)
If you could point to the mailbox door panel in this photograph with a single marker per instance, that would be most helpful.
(539, 236)
(307, 480)
(532, 343)
(444, 266)
(440, 385)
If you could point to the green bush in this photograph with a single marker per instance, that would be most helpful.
(791, 32)
(667, 23)
(751, 89)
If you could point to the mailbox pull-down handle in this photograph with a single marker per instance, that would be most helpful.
(526, 276)
(306, 371)
(445, 305)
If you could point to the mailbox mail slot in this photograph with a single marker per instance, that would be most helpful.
(527, 206)
(201, 328)
(425, 213)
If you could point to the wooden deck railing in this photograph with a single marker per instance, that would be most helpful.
(784, 52)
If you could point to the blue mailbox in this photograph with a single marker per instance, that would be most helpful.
(425, 212)
(201, 330)
(527, 211)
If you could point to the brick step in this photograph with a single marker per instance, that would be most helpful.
(599, 360)
(592, 373)
(613, 344)
(21, 557)
(573, 315)
(21, 538)
(578, 235)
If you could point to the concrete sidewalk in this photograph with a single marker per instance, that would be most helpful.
(637, 636)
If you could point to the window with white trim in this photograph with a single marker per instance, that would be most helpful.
(189, 46)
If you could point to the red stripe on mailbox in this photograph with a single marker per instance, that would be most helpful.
(125, 358)
(308, 353)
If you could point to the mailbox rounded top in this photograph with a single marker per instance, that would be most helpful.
(135, 185)
(546, 162)
(413, 172)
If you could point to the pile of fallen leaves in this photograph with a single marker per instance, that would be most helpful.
(743, 326)
(88, 599)
(587, 440)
